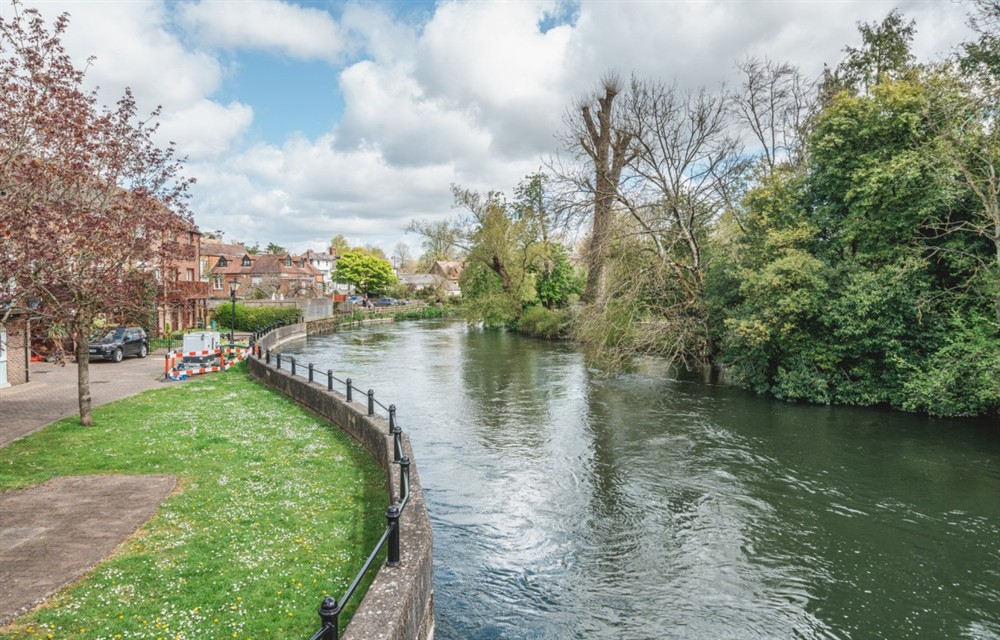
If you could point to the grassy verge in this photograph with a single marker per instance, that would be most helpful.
(274, 509)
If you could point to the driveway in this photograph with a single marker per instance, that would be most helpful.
(52, 392)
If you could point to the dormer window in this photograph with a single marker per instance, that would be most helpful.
(246, 261)
(288, 261)
(222, 262)
(302, 263)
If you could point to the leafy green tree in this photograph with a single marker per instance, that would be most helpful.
(340, 244)
(502, 243)
(560, 282)
(276, 248)
(884, 53)
(367, 273)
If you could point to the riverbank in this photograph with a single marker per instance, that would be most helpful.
(273, 507)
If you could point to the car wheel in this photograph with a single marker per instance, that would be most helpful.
(142, 351)
(118, 355)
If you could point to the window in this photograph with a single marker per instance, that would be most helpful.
(246, 261)
(222, 262)
(190, 275)
(217, 283)
(288, 261)
(255, 280)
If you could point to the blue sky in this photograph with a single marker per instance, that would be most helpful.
(304, 120)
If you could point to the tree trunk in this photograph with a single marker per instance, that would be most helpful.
(596, 286)
(83, 378)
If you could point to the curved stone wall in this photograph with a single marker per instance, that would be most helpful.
(399, 604)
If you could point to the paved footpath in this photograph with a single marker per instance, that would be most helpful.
(52, 394)
(53, 534)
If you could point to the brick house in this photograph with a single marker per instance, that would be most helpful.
(182, 292)
(266, 276)
(212, 250)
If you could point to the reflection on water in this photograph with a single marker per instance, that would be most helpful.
(571, 505)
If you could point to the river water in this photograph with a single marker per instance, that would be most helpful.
(568, 504)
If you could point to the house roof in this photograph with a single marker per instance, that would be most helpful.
(216, 248)
(451, 269)
(420, 279)
(316, 255)
(268, 264)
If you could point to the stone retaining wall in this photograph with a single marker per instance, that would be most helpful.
(399, 604)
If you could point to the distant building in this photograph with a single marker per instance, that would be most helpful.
(212, 250)
(267, 275)
(183, 293)
(450, 272)
(418, 281)
(326, 264)
(448, 269)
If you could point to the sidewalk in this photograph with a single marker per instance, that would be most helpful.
(52, 534)
(52, 392)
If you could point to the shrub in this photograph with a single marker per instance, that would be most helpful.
(540, 322)
(254, 318)
(962, 378)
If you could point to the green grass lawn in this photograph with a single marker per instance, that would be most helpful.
(274, 508)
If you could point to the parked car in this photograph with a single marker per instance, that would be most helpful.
(386, 302)
(121, 342)
(356, 299)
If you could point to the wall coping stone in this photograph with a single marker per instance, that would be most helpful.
(399, 604)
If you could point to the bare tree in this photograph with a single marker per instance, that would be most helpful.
(597, 139)
(775, 102)
(685, 155)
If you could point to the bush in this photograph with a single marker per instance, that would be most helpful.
(254, 318)
(962, 378)
(421, 314)
(540, 322)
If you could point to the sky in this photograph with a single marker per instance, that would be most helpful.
(304, 120)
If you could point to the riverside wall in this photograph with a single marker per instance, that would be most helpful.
(399, 604)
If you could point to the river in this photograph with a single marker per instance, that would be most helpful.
(570, 504)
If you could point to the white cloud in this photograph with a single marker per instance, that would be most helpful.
(206, 129)
(299, 32)
(387, 111)
(492, 60)
(473, 93)
(132, 47)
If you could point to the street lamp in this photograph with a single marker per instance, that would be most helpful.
(234, 284)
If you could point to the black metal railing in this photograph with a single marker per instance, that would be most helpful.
(330, 609)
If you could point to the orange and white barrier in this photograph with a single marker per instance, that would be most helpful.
(175, 367)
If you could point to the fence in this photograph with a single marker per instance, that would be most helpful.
(303, 384)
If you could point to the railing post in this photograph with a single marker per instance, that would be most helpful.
(267, 356)
(397, 442)
(292, 359)
(310, 372)
(350, 387)
(404, 477)
(371, 402)
(392, 418)
(329, 614)
(278, 360)
(329, 379)
(392, 554)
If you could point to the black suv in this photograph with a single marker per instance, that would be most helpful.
(121, 342)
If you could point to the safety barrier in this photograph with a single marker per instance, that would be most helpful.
(175, 368)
